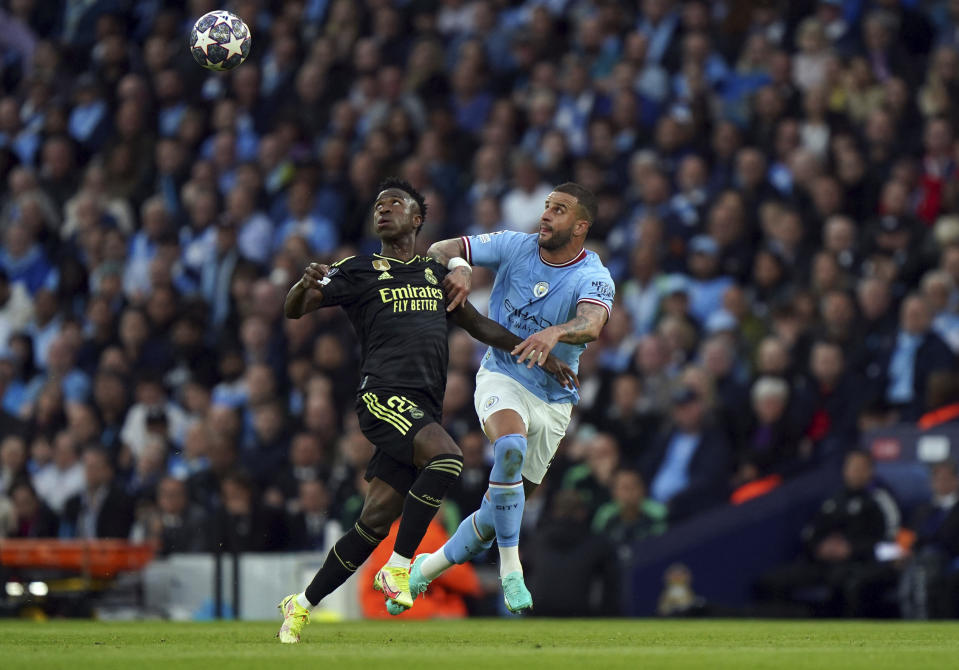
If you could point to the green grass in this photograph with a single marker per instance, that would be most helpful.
(517, 644)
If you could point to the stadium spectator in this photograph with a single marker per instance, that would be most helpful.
(102, 509)
(243, 523)
(307, 462)
(204, 485)
(16, 308)
(175, 524)
(687, 465)
(927, 588)
(62, 478)
(32, 516)
(622, 419)
(13, 461)
(903, 367)
(631, 515)
(839, 573)
(771, 445)
(308, 524)
(592, 479)
(828, 403)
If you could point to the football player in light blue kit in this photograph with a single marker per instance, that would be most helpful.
(555, 294)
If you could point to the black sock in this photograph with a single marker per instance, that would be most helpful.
(344, 558)
(424, 499)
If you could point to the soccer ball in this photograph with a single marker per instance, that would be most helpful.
(220, 40)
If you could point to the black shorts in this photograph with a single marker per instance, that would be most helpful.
(390, 420)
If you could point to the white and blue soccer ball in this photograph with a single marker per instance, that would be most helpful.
(220, 40)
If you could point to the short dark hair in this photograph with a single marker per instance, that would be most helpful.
(406, 187)
(101, 452)
(239, 477)
(585, 198)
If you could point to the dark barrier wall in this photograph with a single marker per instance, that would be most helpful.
(726, 550)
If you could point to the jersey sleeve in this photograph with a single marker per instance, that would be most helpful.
(490, 249)
(597, 288)
(341, 286)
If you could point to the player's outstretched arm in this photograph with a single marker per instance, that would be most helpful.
(446, 250)
(489, 332)
(582, 328)
(306, 296)
(458, 282)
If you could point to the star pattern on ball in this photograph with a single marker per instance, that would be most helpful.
(234, 46)
(224, 30)
(203, 39)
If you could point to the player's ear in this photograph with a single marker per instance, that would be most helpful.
(581, 227)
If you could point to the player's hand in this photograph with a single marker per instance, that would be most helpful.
(457, 285)
(536, 347)
(561, 371)
(313, 275)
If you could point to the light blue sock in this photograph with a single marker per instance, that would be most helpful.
(506, 488)
(474, 535)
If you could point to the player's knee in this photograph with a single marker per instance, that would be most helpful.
(450, 448)
(378, 518)
(376, 521)
(509, 453)
(432, 442)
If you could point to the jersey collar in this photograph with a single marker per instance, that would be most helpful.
(580, 256)
(415, 258)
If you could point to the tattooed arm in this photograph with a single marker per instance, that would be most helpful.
(582, 328)
(489, 332)
(445, 250)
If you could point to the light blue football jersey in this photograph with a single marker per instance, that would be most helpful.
(530, 294)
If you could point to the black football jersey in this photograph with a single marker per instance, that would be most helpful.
(398, 311)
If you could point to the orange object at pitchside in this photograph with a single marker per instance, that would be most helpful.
(93, 558)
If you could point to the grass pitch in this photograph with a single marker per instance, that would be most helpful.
(517, 644)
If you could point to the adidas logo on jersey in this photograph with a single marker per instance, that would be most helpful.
(385, 275)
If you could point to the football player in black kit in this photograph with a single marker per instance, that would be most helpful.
(395, 302)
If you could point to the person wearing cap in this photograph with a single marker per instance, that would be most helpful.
(687, 466)
(706, 289)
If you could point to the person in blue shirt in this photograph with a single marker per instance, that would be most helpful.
(557, 295)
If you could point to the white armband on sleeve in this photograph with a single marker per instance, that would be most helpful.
(457, 262)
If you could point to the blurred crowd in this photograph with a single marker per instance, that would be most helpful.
(778, 204)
